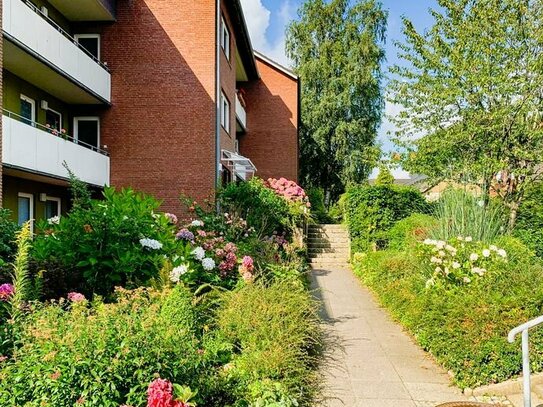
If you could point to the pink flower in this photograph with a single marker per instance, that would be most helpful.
(171, 218)
(76, 297)
(6, 291)
(248, 263)
(159, 393)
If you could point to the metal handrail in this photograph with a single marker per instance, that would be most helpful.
(523, 329)
(52, 131)
(63, 32)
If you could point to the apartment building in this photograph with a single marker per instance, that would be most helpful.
(164, 96)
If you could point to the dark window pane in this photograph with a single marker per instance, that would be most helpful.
(52, 119)
(87, 132)
(90, 44)
(26, 111)
(23, 210)
(51, 209)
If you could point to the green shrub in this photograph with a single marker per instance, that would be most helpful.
(372, 210)
(261, 207)
(8, 228)
(318, 209)
(529, 226)
(104, 354)
(464, 327)
(462, 213)
(102, 242)
(409, 231)
(275, 332)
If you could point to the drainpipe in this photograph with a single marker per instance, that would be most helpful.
(218, 95)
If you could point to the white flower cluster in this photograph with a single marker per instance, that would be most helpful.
(55, 220)
(208, 264)
(199, 253)
(197, 223)
(151, 243)
(178, 271)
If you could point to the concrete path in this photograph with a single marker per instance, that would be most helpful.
(371, 361)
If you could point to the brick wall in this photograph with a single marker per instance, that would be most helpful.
(1, 116)
(271, 141)
(160, 130)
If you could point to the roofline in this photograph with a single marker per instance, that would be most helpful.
(276, 65)
(243, 40)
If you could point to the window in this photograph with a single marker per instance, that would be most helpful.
(28, 110)
(91, 42)
(53, 119)
(225, 39)
(25, 209)
(225, 113)
(87, 131)
(52, 207)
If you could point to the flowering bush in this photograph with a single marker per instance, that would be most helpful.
(460, 260)
(8, 228)
(161, 393)
(288, 189)
(6, 291)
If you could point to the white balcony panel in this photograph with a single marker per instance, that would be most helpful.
(34, 32)
(32, 149)
(241, 114)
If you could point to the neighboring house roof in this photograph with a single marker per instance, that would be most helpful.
(243, 40)
(415, 180)
(276, 65)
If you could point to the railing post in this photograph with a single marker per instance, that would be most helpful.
(526, 369)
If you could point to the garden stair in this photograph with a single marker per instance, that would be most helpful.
(328, 246)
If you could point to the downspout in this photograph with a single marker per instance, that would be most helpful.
(217, 96)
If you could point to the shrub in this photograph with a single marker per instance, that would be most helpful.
(529, 226)
(264, 209)
(409, 231)
(372, 210)
(119, 240)
(275, 332)
(462, 213)
(76, 353)
(8, 228)
(464, 327)
(318, 210)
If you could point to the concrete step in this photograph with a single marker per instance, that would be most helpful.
(330, 242)
(325, 238)
(330, 250)
(330, 266)
(329, 256)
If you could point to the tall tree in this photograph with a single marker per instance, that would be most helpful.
(337, 50)
(473, 84)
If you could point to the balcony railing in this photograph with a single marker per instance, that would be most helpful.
(39, 36)
(31, 146)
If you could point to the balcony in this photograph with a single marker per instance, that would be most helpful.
(86, 10)
(39, 51)
(241, 114)
(32, 147)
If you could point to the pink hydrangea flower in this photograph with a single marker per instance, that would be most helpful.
(76, 297)
(248, 263)
(160, 393)
(171, 218)
(6, 291)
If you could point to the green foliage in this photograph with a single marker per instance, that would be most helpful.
(105, 354)
(337, 50)
(410, 231)
(384, 177)
(274, 331)
(529, 227)
(372, 210)
(101, 242)
(318, 209)
(8, 229)
(464, 327)
(21, 279)
(462, 213)
(478, 121)
(81, 195)
(261, 207)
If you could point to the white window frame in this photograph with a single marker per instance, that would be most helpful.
(88, 118)
(97, 36)
(33, 103)
(225, 113)
(225, 38)
(55, 199)
(59, 115)
(31, 209)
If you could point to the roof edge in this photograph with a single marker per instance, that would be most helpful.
(243, 39)
(276, 65)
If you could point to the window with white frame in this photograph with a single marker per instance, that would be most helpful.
(87, 131)
(225, 113)
(53, 119)
(225, 39)
(91, 42)
(28, 109)
(52, 207)
(25, 209)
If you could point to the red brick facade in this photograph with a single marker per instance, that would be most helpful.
(271, 141)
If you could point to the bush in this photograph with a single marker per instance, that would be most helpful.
(263, 209)
(529, 226)
(409, 231)
(318, 210)
(462, 213)
(76, 353)
(464, 327)
(372, 210)
(275, 332)
(117, 241)
(8, 229)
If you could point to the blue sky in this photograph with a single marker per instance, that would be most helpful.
(267, 20)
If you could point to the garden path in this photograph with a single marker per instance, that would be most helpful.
(371, 361)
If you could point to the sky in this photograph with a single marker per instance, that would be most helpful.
(268, 19)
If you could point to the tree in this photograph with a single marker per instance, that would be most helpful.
(473, 84)
(384, 177)
(337, 51)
